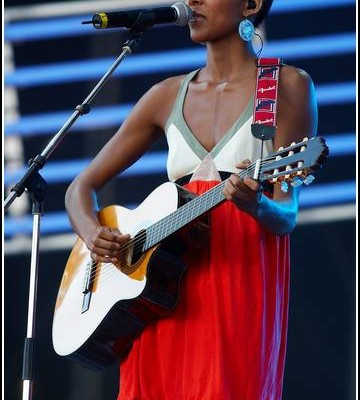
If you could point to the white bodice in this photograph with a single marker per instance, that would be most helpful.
(186, 153)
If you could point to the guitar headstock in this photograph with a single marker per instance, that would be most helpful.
(295, 163)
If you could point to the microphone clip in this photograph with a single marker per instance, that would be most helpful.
(144, 21)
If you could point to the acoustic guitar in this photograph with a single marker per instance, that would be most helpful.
(102, 307)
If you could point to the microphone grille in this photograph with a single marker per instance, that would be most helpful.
(184, 13)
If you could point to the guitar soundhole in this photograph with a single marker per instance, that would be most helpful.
(129, 259)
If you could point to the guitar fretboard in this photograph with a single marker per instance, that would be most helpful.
(283, 163)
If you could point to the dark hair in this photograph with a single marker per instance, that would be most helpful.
(263, 12)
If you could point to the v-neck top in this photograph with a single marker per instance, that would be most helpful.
(186, 152)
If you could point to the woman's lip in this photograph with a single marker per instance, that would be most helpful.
(196, 16)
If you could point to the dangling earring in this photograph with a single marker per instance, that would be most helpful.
(261, 45)
(246, 30)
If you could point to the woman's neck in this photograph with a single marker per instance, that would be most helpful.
(229, 60)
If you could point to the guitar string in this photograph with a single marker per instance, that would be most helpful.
(159, 228)
(186, 209)
(143, 234)
(111, 270)
(179, 211)
(108, 270)
(137, 241)
(183, 210)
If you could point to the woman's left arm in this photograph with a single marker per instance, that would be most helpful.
(296, 119)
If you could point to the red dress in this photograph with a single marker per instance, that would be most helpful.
(226, 339)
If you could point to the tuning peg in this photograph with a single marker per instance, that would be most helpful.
(276, 170)
(296, 182)
(309, 179)
(288, 167)
(284, 186)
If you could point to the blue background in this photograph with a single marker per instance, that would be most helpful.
(58, 61)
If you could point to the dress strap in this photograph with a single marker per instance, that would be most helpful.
(180, 98)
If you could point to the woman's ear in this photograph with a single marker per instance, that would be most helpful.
(252, 7)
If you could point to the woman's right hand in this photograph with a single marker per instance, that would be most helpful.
(105, 244)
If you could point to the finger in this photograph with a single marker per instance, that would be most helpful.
(115, 235)
(112, 235)
(236, 182)
(122, 238)
(232, 188)
(103, 258)
(107, 233)
(252, 184)
(106, 246)
(243, 164)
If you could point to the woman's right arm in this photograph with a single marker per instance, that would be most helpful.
(142, 127)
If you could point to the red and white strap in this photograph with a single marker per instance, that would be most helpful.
(265, 103)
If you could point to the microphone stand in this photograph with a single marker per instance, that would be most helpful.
(33, 183)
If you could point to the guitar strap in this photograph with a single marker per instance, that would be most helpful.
(265, 105)
(265, 102)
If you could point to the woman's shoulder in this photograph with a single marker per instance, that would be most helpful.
(295, 84)
(167, 88)
(294, 77)
(158, 101)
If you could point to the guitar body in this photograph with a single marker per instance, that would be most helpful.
(98, 327)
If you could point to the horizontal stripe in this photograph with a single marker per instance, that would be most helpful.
(73, 7)
(47, 29)
(312, 196)
(65, 171)
(336, 93)
(70, 26)
(65, 241)
(326, 214)
(46, 123)
(281, 6)
(326, 194)
(152, 163)
(341, 144)
(175, 60)
(112, 116)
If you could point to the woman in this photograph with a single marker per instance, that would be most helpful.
(226, 339)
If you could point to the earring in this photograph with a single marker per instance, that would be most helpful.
(246, 30)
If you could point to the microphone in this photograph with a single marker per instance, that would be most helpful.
(179, 13)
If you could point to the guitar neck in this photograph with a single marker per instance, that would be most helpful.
(290, 164)
(170, 224)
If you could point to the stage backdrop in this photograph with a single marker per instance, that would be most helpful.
(51, 64)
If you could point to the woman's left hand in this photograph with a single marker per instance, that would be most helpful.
(245, 193)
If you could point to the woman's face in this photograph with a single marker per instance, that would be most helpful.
(214, 19)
